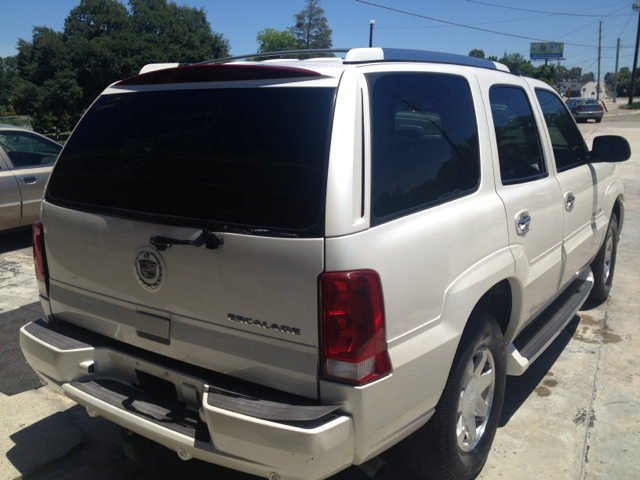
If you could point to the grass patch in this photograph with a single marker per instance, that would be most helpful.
(633, 106)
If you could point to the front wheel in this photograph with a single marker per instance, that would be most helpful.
(456, 441)
(604, 264)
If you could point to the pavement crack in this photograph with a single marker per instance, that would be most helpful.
(590, 416)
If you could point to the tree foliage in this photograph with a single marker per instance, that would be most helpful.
(517, 63)
(569, 75)
(588, 77)
(271, 40)
(310, 29)
(8, 80)
(624, 81)
(60, 73)
(476, 52)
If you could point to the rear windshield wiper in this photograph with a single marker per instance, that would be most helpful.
(210, 240)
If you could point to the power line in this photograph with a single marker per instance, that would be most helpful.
(550, 13)
(625, 27)
(591, 23)
(469, 26)
(473, 24)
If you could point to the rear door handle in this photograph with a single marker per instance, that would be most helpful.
(29, 179)
(523, 222)
(569, 198)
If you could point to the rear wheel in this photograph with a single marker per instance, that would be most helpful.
(598, 120)
(605, 262)
(456, 442)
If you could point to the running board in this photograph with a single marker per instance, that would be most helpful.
(538, 335)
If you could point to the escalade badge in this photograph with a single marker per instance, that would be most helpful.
(149, 268)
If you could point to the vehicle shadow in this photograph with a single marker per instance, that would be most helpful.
(15, 239)
(74, 446)
(518, 389)
(47, 440)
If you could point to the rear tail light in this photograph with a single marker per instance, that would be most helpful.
(40, 259)
(600, 108)
(353, 328)
(579, 108)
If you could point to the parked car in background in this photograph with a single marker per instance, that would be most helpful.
(583, 109)
(26, 160)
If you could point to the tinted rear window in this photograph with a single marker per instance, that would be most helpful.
(251, 157)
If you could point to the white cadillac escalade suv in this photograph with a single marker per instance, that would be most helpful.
(287, 267)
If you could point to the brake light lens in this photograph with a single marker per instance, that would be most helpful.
(600, 108)
(40, 259)
(579, 108)
(353, 328)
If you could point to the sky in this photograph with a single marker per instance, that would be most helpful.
(571, 21)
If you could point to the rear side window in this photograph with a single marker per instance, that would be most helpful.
(28, 150)
(424, 142)
(569, 148)
(517, 138)
(251, 158)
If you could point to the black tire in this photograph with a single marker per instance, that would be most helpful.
(604, 264)
(435, 450)
(598, 120)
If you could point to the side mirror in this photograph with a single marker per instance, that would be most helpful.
(610, 148)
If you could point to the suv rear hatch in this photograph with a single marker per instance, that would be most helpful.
(240, 167)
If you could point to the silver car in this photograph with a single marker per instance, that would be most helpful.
(583, 109)
(26, 160)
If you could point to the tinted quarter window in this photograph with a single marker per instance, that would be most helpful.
(569, 148)
(246, 157)
(424, 142)
(517, 137)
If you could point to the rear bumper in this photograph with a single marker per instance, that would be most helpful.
(587, 114)
(100, 375)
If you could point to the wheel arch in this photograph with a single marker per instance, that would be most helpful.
(488, 287)
(618, 210)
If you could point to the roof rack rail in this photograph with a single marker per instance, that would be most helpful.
(273, 54)
(370, 55)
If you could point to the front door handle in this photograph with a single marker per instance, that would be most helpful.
(569, 199)
(523, 222)
(29, 179)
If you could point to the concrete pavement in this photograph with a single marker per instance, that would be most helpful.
(574, 415)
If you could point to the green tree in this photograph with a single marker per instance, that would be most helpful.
(310, 28)
(588, 77)
(10, 112)
(624, 82)
(546, 73)
(575, 73)
(563, 73)
(515, 61)
(476, 52)
(271, 40)
(61, 73)
(8, 79)
(609, 78)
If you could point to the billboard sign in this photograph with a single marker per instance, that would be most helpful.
(546, 50)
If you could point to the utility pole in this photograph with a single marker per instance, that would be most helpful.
(636, 6)
(615, 76)
(371, 24)
(599, 49)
